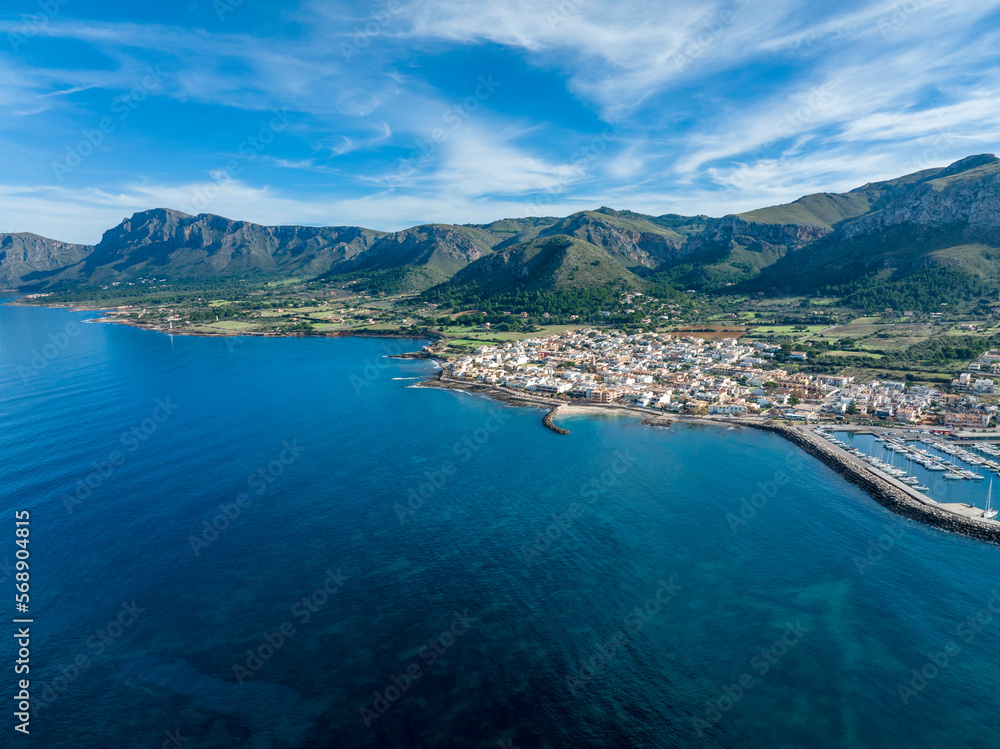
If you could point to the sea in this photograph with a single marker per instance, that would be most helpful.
(283, 543)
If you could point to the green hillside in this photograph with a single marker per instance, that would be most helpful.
(822, 209)
(887, 260)
(546, 264)
(948, 176)
(921, 239)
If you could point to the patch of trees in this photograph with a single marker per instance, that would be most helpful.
(924, 290)
(943, 349)
(587, 304)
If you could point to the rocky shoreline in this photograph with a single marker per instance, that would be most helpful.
(496, 393)
(110, 316)
(514, 398)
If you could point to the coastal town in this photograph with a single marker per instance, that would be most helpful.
(723, 377)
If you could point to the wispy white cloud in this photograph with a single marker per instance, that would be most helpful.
(722, 106)
(83, 216)
(476, 162)
(346, 144)
(866, 99)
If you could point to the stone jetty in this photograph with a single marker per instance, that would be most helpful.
(881, 490)
(547, 420)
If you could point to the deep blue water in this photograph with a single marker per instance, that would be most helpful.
(630, 513)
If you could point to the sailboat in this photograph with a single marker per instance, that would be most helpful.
(989, 513)
(953, 473)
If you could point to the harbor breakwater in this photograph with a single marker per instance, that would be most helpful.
(547, 420)
(880, 490)
(883, 492)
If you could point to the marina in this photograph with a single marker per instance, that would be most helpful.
(928, 469)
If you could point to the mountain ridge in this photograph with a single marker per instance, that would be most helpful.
(943, 216)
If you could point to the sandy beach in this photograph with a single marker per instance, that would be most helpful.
(561, 408)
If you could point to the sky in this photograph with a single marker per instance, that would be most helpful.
(394, 113)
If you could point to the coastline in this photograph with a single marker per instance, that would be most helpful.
(883, 492)
(504, 395)
(878, 488)
(109, 316)
(564, 408)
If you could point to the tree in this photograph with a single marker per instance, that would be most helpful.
(852, 409)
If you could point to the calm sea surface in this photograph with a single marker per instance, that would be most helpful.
(282, 543)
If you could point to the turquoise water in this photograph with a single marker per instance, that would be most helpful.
(471, 558)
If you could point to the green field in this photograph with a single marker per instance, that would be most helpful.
(865, 354)
(471, 333)
(793, 330)
(227, 326)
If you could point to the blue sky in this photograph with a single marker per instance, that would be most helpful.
(394, 113)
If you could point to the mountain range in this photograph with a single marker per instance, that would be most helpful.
(939, 220)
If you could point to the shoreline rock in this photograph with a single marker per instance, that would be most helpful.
(547, 420)
(657, 421)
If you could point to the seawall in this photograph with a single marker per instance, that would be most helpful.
(880, 490)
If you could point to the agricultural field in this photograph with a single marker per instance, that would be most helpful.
(228, 326)
(865, 354)
(473, 334)
(796, 331)
(887, 338)
(792, 334)
(732, 331)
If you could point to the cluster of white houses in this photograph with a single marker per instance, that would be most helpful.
(687, 374)
(988, 363)
(885, 400)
